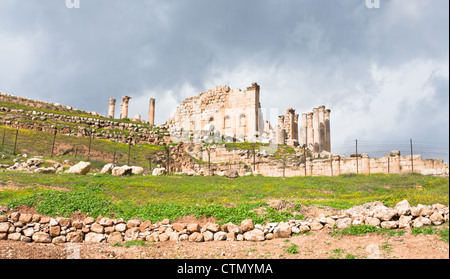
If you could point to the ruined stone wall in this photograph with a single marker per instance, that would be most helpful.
(230, 111)
(41, 105)
(288, 128)
(83, 126)
(315, 130)
(222, 159)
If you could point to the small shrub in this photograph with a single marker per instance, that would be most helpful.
(357, 230)
(443, 233)
(293, 249)
(130, 243)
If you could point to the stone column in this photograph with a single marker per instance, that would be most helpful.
(303, 130)
(151, 112)
(327, 131)
(252, 111)
(281, 131)
(112, 108)
(309, 130)
(290, 117)
(316, 128)
(124, 107)
(295, 129)
(321, 128)
(281, 136)
(281, 121)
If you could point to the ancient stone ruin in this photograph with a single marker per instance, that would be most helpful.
(315, 131)
(231, 112)
(124, 107)
(217, 117)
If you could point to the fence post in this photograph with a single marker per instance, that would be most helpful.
(304, 155)
(54, 139)
(331, 164)
(168, 157)
(4, 135)
(389, 164)
(89, 150)
(412, 160)
(15, 141)
(129, 151)
(254, 158)
(357, 170)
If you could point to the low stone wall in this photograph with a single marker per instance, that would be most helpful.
(83, 126)
(44, 229)
(267, 165)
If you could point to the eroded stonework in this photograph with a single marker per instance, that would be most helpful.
(231, 112)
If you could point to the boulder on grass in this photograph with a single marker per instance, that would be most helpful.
(231, 173)
(45, 170)
(107, 169)
(121, 171)
(159, 171)
(137, 170)
(34, 162)
(80, 168)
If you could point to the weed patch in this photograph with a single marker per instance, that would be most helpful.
(293, 249)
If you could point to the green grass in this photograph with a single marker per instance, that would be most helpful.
(131, 243)
(365, 229)
(442, 232)
(293, 249)
(54, 110)
(339, 254)
(66, 147)
(227, 200)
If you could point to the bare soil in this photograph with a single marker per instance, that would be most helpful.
(317, 245)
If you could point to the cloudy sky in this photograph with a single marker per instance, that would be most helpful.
(384, 72)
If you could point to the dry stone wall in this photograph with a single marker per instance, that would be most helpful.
(43, 229)
(84, 126)
(266, 164)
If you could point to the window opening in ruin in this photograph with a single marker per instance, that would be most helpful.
(227, 122)
(242, 120)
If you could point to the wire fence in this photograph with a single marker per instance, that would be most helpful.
(14, 141)
(22, 141)
(427, 149)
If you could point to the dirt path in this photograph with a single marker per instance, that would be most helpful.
(318, 245)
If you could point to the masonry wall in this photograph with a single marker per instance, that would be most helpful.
(336, 165)
(231, 111)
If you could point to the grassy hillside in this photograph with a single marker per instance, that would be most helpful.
(73, 148)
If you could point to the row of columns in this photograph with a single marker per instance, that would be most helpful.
(315, 130)
(288, 128)
(124, 109)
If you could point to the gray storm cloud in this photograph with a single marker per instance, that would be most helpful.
(383, 72)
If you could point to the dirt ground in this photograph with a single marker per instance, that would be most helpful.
(317, 245)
